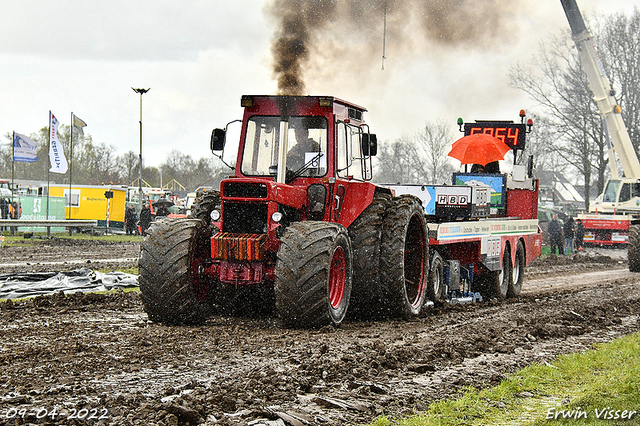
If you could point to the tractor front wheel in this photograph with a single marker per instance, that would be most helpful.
(171, 288)
(313, 275)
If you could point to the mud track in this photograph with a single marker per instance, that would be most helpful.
(98, 356)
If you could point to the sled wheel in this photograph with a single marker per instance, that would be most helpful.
(436, 287)
(497, 283)
(365, 233)
(633, 250)
(517, 272)
(404, 257)
(204, 204)
(313, 275)
(171, 286)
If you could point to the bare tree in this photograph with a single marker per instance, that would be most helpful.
(435, 142)
(128, 166)
(541, 145)
(397, 162)
(618, 46)
(556, 81)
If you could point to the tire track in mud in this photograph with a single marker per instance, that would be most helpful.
(99, 351)
(577, 281)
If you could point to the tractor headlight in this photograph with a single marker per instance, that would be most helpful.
(215, 215)
(276, 217)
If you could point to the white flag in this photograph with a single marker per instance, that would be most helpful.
(24, 149)
(56, 155)
(78, 123)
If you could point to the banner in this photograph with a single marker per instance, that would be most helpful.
(56, 155)
(24, 149)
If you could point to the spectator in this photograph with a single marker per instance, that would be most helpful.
(569, 229)
(579, 234)
(555, 234)
(14, 211)
(478, 168)
(130, 219)
(4, 210)
(162, 210)
(145, 218)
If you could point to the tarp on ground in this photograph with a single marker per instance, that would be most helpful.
(23, 285)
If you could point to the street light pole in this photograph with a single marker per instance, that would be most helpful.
(142, 92)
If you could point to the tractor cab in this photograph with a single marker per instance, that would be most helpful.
(290, 137)
(311, 153)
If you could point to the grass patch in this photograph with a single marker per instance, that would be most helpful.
(600, 386)
(132, 271)
(109, 237)
(41, 237)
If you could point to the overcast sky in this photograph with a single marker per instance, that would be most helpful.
(199, 57)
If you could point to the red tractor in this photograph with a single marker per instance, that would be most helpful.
(299, 227)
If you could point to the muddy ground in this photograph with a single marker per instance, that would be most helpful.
(96, 359)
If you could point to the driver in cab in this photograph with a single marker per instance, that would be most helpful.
(304, 144)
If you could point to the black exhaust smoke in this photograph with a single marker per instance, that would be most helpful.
(307, 27)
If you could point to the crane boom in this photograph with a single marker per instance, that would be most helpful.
(602, 92)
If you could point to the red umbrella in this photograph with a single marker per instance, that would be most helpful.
(479, 148)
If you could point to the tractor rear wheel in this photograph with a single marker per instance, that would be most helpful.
(313, 275)
(365, 233)
(204, 204)
(171, 288)
(633, 250)
(404, 257)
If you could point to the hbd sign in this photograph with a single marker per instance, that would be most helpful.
(453, 199)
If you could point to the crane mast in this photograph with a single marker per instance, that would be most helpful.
(602, 92)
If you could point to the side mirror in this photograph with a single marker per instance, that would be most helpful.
(369, 144)
(218, 139)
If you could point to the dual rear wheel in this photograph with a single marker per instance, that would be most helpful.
(384, 273)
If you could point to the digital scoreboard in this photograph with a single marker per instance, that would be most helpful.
(512, 134)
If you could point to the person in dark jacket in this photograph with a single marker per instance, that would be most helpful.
(569, 229)
(162, 211)
(555, 235)
(579, 234)
(145, 218)
(130, 219)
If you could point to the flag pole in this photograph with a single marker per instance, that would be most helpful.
(70, 167)
(48, 167)
(13, 164)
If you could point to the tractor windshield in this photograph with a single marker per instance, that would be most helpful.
(307, 143)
